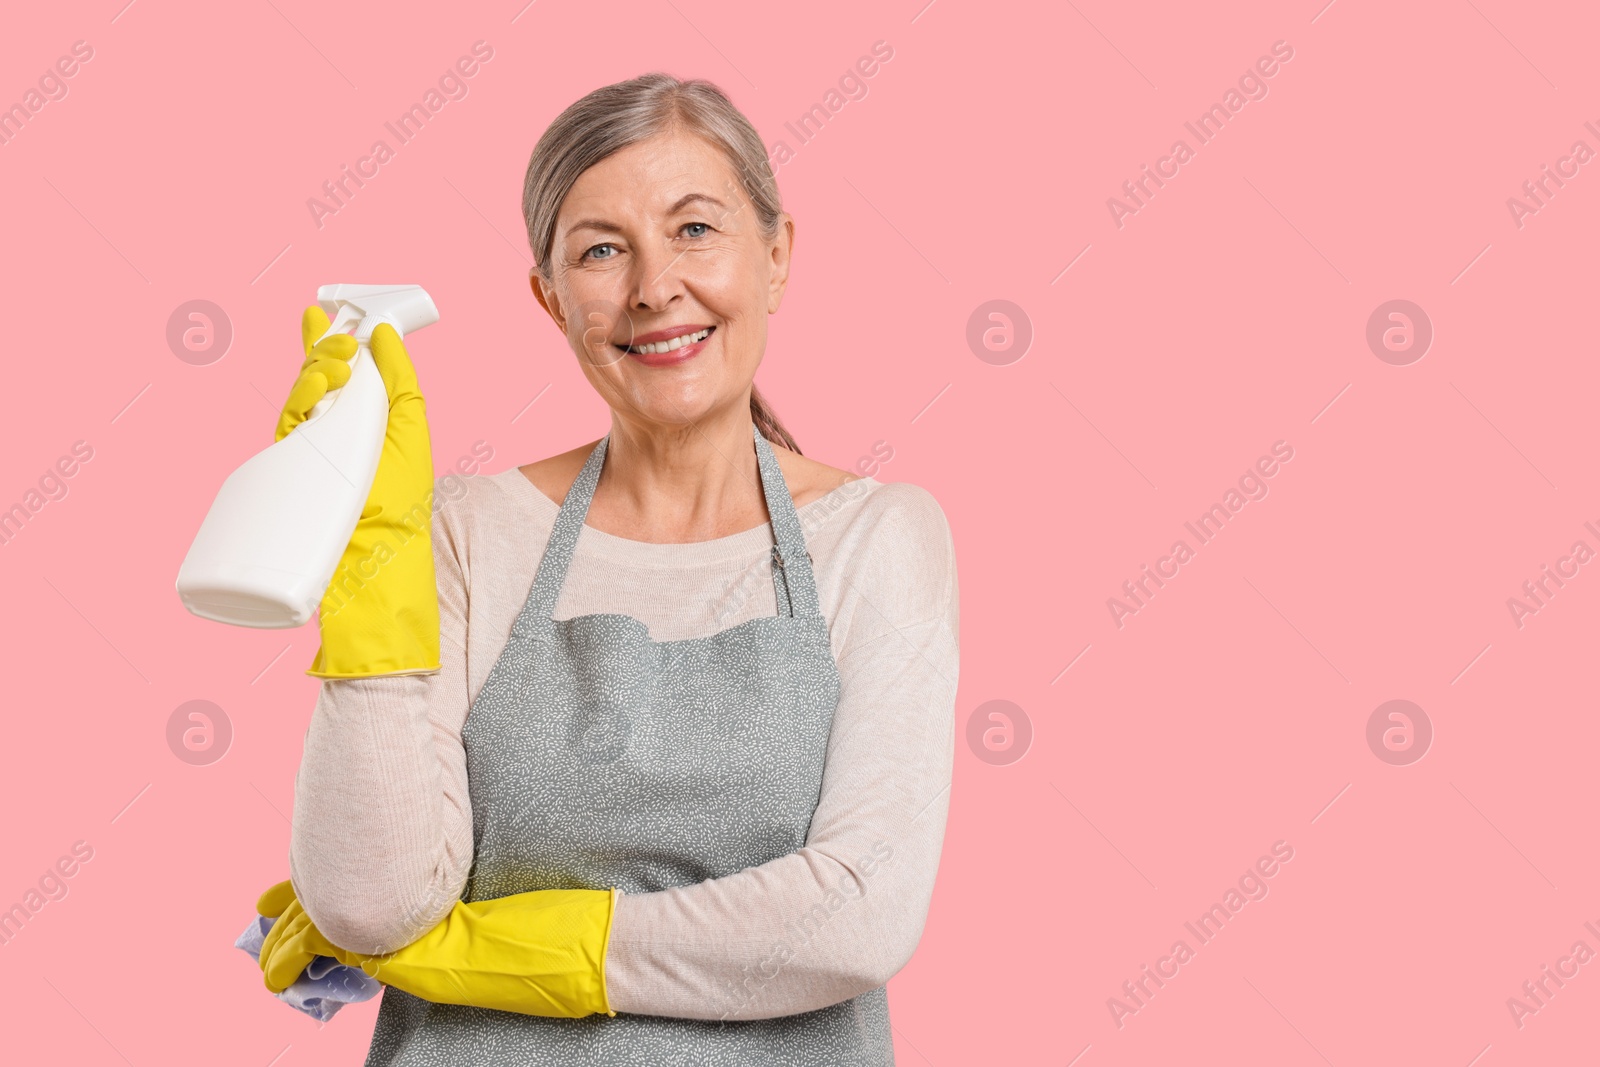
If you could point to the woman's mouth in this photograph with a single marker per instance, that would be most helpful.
(677, 349)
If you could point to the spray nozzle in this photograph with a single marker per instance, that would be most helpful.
(405, 307)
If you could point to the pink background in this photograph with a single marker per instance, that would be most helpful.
(1229, 313)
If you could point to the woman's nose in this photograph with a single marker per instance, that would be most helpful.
(657, 279)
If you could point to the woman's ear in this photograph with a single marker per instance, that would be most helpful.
(545, 298)
(782, 250)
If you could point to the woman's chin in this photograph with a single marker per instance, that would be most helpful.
(680, 407)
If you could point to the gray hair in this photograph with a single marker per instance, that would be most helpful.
(615, 116)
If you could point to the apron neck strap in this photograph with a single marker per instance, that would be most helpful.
(790, 558)
(789, 550)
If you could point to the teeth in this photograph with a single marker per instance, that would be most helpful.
(667, 346)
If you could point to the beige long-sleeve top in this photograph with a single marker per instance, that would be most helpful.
(382, 833)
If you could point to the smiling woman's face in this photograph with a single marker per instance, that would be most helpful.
(658, 242)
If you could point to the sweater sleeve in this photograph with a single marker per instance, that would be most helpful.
(840, 916)
(381, 843)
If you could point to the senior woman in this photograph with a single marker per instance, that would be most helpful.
(576, 789)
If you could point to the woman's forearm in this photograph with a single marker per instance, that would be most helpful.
(380, 846)
(381, 843)
(797, 934)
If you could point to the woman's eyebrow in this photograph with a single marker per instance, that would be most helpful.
(685, 201)
(611, 227)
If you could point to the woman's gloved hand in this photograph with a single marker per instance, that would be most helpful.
(538, 953)
(293, 942)
(380, 612)
(274, 901)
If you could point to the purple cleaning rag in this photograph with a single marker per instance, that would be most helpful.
(325, 986)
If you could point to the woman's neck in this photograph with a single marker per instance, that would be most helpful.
(680, 484)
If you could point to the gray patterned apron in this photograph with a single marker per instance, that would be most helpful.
(598, 757)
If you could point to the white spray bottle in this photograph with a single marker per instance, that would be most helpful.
(280, 523)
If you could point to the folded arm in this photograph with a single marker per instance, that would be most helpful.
(381, 842)
(383, 829)
(844, 913)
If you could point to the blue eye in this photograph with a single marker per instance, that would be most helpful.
(586, 255)
(703, 224)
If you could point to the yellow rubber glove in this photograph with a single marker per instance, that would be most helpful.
(538, 953)
(380, 612)
(276, 900)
